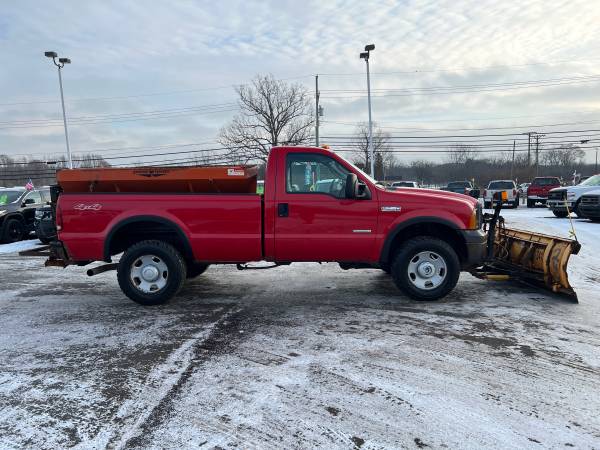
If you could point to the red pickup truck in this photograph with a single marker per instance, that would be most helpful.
(316, 207)
(538, 190)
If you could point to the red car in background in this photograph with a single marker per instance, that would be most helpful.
(539, 188)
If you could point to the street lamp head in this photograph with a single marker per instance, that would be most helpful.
(364, 55)
(50, 54)
(369, 47)
(64, 60)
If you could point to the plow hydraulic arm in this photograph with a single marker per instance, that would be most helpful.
(527, 256)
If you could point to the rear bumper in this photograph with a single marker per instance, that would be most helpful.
(537, 197)
(476, 243)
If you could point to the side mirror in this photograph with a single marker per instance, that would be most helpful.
(28, 201)
(351, 182)
(362, 192)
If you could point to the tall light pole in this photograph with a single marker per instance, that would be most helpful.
(365, 56)
(61, 63)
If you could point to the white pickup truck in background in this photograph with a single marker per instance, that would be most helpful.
(495, 186)
(563, 200)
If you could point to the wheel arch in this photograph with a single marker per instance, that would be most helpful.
(146, 228)
(442, 229)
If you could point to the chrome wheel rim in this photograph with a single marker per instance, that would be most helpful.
(427, 270)
(149, 274)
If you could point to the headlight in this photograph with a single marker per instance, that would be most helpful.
(571, 195)
(39, 215)
(476, 218)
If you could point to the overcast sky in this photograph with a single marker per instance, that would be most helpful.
(185, 56)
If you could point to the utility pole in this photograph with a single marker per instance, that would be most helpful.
(529, 149)
(365, 55)
(596, 169)
(61, 63)
(537, 152)
(317, 94)
(512, 167)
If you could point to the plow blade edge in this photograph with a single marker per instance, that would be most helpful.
(534, 258)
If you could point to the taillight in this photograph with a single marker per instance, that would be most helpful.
(485, 192)
(514, 192)
(58, 218)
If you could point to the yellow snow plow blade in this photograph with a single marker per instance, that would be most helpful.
(535, 257)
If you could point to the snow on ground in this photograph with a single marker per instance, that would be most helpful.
(299, 357)
(20, 246)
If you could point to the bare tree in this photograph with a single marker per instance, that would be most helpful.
(272, 113)
(423, 170)
(565, 156)
(460, 154)
(384, 159)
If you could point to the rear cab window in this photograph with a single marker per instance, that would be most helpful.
(545, 181)
(501, 185)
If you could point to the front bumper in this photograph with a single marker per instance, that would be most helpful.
(560, 205)
(590, 210)
(476, 243)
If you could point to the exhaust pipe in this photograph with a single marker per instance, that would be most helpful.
(101, 269)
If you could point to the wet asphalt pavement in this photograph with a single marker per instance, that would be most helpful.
(295, 357)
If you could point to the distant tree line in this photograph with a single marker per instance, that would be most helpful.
(18, 171)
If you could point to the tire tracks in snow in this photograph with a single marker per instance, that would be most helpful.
(160, 385)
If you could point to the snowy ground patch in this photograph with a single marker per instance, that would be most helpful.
(20, 246)
(304, 356)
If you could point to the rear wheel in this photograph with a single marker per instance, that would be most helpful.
(530, 203)
(426, 268)
(13, 231)
(516, 203)
(560, 214)
(151, 272)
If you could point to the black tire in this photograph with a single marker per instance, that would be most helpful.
(386, 268)
(407, 254)
(595, 219)
(530, 203)
(577, 212)
(560, 214)
(14, 231)
(515, 204)
(196, 269)
(487, 205)
(133, 287)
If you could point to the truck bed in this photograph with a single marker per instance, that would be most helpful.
(218, 227)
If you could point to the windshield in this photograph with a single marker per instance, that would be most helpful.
(368, 177)
(459, 184)
(591, 181)
(7, 197)
(501, 185)
(403, 184)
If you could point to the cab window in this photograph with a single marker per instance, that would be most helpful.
(315, 174)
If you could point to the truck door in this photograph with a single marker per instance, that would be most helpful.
(314, 220)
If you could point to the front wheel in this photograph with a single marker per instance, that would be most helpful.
(151, 272)
(426, 268)
(530, 203)
(13, 231)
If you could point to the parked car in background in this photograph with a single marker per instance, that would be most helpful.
(462, 187)
(589, 205)
(412, 184)
(539, 188)
(523, 189)
(17, 211)
(44, 227)
(495, 186)
(567, 199)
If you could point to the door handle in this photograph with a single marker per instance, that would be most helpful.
(283, 210)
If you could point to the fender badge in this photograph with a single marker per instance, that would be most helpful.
(391, 209)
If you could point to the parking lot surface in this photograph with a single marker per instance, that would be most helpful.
(300, 357)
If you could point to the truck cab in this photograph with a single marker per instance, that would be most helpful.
(316, 207)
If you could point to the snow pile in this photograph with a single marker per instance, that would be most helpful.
(16, 247)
